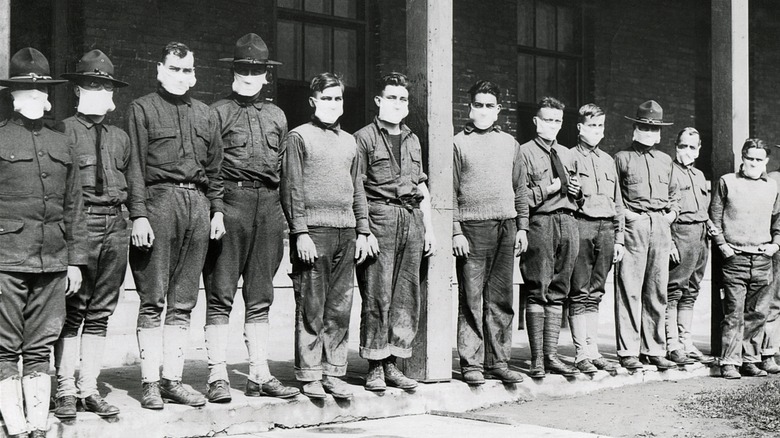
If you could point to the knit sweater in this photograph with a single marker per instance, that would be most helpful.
(746, 211)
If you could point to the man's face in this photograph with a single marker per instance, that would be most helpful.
(688, 148)
(592, 130)
(648, 128)
(754, 161)
(328, 104)
(548, 122)
(394, 95)
(180, 66)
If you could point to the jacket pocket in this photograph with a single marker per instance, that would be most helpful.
(16, 168)
(162, 146)
(87, 169)
(12, 242)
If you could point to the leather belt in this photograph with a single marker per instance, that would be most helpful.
(102, 210)
(248, 184)
(395, 203)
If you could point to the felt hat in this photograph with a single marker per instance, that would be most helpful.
(650, 113)
(29, 66)
(251, 49)
(95, 65)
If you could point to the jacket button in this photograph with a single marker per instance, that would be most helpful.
(44, 175)
(40, 154)
(13, 156)
(46, 198)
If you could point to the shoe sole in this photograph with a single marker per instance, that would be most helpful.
(154, 408)
(104, 415)
(507, 381)
(221, 400)
(405, 387)
(314, 396)
(176, 402)
(341, 396)
(282, 396)
(375, 388)
(65, 417)
(474, 382)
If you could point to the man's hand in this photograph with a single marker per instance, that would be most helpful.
(521, 242)
(429, 243)
(74, 280)
(726, 250)
(674, 255)
(619, 251)
(769, 249)
(460, 246)
(307, 252)
(574, 186)
(361, 248)
(143, 236)
(372, 246)
(217, 226)
(554, 187)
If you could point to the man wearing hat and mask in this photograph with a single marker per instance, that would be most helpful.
(399, 215)
(173, 185)
(248, 130)
(42, 243)
(103, 154)
(651, 201)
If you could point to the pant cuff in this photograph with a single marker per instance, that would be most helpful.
(308, 374)
(467, 368)
(66, 387)
(497, 366)
(374, 353)
(218, 372)
(403, 353)
(769, 351)
(735, 362)
(334, 370)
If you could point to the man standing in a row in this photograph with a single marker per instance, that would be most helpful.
(651, 201)
(553, 237)
(175, 188)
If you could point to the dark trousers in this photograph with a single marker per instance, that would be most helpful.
(685, 277)
(108, 240)
(485, 295)
(252, 248)
(323, 302)
(32, 313)
(771, 341)
(594, 260)
(746, 297)
(553, 242)
(390, 283)
(170, 271)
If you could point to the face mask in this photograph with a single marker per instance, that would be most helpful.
(175, 83)
(328, 111)
(31, 103)
(248, 85)
(755, 171)
(546, 131)
(687, 156)
(483, 118)
(392, 112)
(647, 138)
(95, 102)
(591, 136)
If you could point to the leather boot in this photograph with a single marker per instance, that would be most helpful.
(534, 322)
(150, 397)
(95, 403)
(375, 378)
(769, 365)
(216, 349)
(92, 347)
(12, 405)
(579, 335)
(175, 392)
(37, 391)
(395, 378)
(150, 345)
(552, 329)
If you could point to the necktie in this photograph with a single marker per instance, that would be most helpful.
(559, 171)
(99, 164)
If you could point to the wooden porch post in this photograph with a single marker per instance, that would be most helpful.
(5, 36)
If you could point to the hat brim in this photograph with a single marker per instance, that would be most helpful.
(12, 82)
(251, 61)
(649, 122)
(77, 76)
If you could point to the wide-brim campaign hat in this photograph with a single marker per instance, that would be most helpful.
(650, 113)
(29, 66)
(95, 65)
(251, 49)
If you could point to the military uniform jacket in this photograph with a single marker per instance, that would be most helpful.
(42, 224)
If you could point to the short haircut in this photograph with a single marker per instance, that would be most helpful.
(325, 80)
(755, 143)
(687, 131)
(485, 87)
(176, 49)
(550, 102)
(589, 110)
(392, 79)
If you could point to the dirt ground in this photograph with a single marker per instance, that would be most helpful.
(647, 410)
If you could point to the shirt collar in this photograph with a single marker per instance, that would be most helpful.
(585, 150)
(256, 101)
(763, 176)
(683, 166)
(404, 129)
(32, 125)
(87, 122)
(172, 98)
(335, 127)
(642, 149)
(469, 128)
(543, 144)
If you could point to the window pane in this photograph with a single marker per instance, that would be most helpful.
(289, 45)
(545, 26)
(567, 24)
(345, 8)
(292, 4)
(525, 78)
(567, 82)
(319, 6)
(545, 77)
(345, 55)
(525, 23)
(316, 51)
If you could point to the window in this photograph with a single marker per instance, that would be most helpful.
(314, 36)
(550, 60)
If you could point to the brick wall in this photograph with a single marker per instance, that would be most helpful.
(764, 62)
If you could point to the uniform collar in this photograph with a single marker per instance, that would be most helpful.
(335, 127)
(405, 131)
(256, 101)
(469, 128)
(87, 122)
(31, 125)
(543, 144)
(173, 98)
(585, 150)
(642, 149)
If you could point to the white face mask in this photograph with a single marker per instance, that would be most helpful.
(647, 138)
(31, 103)
(392, 111)
(545, 130)
(483, 118)
(328, 111)
(687, 156)
(248, 85)
(177, 82)
(592, 131)
(95, 102)
(755, 171)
